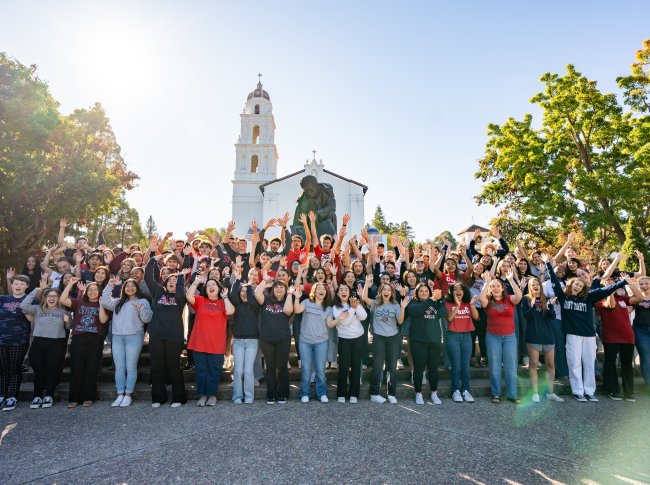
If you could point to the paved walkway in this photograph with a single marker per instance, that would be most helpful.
(329, 443)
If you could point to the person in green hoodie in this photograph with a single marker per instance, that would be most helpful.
(428, 316)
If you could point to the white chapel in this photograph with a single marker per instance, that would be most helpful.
(257, 192)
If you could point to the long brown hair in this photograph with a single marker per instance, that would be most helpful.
(312, 294)
(568, 290)
(46, 292)
(532, 298)
(391, 298)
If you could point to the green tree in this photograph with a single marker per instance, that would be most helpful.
(121, 218)
(150, 228)
(440, 238)
(51, 165)
(636, 86)
(403, 229)
(634, 242)
(379, 221)
(585, 163)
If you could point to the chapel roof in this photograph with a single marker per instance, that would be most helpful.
(259, 93)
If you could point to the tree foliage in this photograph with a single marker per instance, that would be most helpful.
(636, 86)
(588, 162)
(120, 215)
(440, 238)
(403, 229)
(150, 228)
(634, 242)
(51, 165)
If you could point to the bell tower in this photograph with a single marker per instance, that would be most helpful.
(256, 159)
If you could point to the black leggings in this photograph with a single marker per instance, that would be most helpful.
(626, 352)
(165, 361)
(11, 364)
(276, 355)
(350, 355)
(46, 357)
(425, 355)
(84, 348)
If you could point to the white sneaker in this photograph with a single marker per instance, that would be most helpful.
(353, 400)
(418, 398)
(212, 401)
(378, 399)
(554, 397)
(126, 401)
(177, 404)
(525, 361)
(341, 400)
(237, 401)
(400, 366)
(535, 398)
(118, 401)
(392, 399)
(256, 383)
(304, 399)
(36, 403)
(435, 399)
(334, 365)
(456, 396)
(48, 402)
(324, 399)
(202, 401)
(467, 397)
(155, 405)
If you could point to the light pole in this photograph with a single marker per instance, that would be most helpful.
(124, 226)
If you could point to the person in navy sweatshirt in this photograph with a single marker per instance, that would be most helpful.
(577, 303)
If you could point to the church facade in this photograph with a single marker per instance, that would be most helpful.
(258, 194)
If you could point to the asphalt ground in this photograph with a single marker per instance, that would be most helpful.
(552, 443)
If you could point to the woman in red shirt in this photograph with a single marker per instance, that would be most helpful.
(500, 336)
(618, 339)
(461, 314)
(208, 339)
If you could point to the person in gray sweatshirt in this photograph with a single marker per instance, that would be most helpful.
(47, 352)
(130, 312)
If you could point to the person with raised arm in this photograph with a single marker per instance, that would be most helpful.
(88, 331)
(276, 308)
(47, 351)
(130, 312)
(461, 314)
(577, 303)
(428, 315)
(313, 339)
(500, 337)
(208, 339)
(387, 316)
(166, 333)
(641, 325)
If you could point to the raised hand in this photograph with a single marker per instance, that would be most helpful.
(474, 299)
(510, 274)
(312, 216)
(224, 293)
(346, 219)
(190, 235)
(270, 222)
(477, 233)
(231, 226)
(570, 237)
(297, 293)
(10, 273)
(81, 288)
(238, 261)
(63, 222)
(114, 280)
(437, 294)
(202, 278)
(639, 255)
(354, 302)
(369, 280)
(74, 280)
(43, 282)
(78, 257)
(168, 234)
(496, 232)
(303, 219)
(186, 271)
(405, 301)
(187, 250)
(283, 221)
(254, 226)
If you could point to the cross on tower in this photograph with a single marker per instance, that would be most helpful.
(260, 77)
(314, 152)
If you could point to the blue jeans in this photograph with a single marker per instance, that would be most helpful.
(208, 369)
(459, 350)
(642, 336)
(313, 355)
(126, 351)
(245, 352)
(502, 349)
(561, 366)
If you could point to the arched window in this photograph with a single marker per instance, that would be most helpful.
(256, 134)
(254, 163)
(257, 109)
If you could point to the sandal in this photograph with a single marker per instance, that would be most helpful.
(87, 404)
(72, 405)
(496, 399)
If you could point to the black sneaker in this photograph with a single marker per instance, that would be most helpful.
(580, 398)
(615, 396)
(188, 367)
(9, 404)
(630, 398)
(282, 400)
(591, 398)
(270, 401)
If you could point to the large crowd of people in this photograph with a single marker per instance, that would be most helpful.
(237, 304)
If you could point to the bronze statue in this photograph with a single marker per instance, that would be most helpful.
(319, 198)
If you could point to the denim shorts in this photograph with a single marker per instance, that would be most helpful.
(542, 347)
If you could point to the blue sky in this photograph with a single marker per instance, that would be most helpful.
(395, 95)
